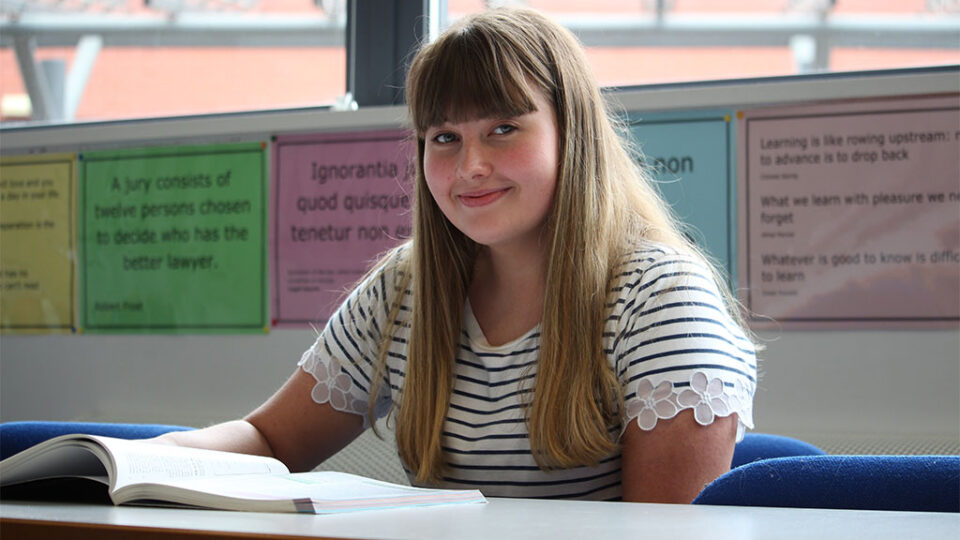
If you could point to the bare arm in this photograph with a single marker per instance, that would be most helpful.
(289, 426)
(674, 461)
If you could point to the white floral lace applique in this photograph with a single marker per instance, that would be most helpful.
(705, 397)
(652, 404)
(333, 385)
(708, 398)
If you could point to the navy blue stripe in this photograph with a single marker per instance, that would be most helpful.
(396, 372)
(346, 331)
(497, 369)
(680, 320)
(521, 352)
(348, 357)
(486, 452)
(544, 483)
(528, 468)
(675, 305)
(486, 424)
(382, 298)
(495, 384)
(583, 493)
(492, 399)
(670, 337)
(485, 413)
(376, 328)
(501, 436)
(680, 288)
(677, 352)
(353, 379)
(520, 467)
(689, 367)
(630, 307)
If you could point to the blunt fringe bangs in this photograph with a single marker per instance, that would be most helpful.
(478, 70)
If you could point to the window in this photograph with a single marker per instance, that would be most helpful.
(113, 59)
(665, 41)
(90, 60)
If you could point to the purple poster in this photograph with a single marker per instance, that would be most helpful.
(851, 214)
(340, 200)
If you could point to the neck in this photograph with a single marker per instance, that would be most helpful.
(510, 270)
(506, 292)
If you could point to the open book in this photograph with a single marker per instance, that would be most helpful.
(138, 472)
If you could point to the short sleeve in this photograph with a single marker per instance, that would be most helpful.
(677, 347)
(343, 359)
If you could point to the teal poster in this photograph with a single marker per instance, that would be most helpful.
(691, 157)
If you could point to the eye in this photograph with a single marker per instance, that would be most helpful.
(503, 129)
(444, 138)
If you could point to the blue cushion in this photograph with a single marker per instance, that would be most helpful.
(18, 436)
(905, 483)
(756, 446)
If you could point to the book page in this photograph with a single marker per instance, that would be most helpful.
(144, 462)
(54, 461)
(312, 492)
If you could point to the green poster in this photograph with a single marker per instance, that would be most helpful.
(173, 239)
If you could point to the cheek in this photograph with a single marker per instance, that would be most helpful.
(436, 175)
(548, 168)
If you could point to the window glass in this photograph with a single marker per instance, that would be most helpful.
(665, 41)
(148, 58)
(117, 59)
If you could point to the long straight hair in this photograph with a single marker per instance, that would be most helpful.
(489, 65)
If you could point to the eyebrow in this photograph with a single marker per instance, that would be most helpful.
(505, 116)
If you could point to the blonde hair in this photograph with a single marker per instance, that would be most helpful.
(487, 65)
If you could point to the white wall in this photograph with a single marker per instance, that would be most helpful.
(889, 384)
(894, 384)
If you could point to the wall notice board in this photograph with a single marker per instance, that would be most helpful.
(340, 200)
(173, 239)
(851, 213)
(691, 157)
(37, 239)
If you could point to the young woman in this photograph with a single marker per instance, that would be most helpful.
(548, 331)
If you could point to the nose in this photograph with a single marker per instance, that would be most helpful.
(474, 161)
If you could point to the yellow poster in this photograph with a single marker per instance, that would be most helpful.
(37, 239)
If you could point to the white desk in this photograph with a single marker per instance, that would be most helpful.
(500, 519)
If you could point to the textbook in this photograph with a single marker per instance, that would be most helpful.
(144, 473)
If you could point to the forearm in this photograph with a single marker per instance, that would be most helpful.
(237, 436)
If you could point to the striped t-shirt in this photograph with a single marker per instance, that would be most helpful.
(668, 338)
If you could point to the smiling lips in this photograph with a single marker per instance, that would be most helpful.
(475, 199)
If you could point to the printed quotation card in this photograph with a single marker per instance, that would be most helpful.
(691, 158)
(340, 200)
(37, 236)
(851, 214)
(173, 239)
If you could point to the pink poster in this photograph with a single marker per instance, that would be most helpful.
(850, 214)
(340, 200)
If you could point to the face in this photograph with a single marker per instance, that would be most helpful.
(494, 178)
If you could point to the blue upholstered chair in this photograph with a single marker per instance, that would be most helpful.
(17, 436)
(756, 446)
(857, 482)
